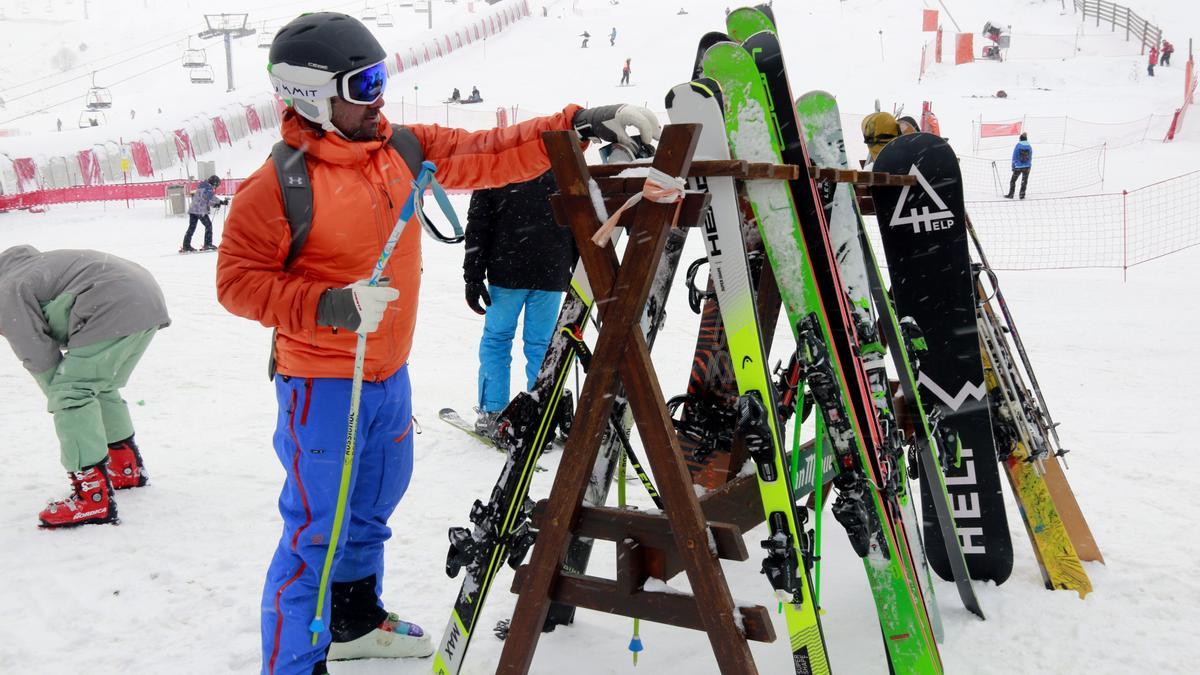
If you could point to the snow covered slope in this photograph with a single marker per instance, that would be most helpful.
(176, 587)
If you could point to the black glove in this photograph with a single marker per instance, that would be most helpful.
(225, 202)
(475, 291)
(607, 123)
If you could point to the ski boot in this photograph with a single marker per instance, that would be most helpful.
(187, 248)
(487, 424)
(90, 501)
(208, 247)
(392, 639)
(124, 467)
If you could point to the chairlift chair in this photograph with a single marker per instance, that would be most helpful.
(265, 37)
(368, 13)
(97, 98)
(193, 58)
(86, 117)
(384, 21)
(201, 75)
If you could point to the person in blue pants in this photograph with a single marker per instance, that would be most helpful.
(308, 284)
(310, 449)
(527, 259)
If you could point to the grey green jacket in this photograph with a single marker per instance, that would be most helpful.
(72, 298)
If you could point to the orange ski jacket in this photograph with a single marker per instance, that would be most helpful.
(358, 191)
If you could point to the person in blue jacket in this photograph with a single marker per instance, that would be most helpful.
(1022, 162)
(203, 200)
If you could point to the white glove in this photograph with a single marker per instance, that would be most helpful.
(358, 307)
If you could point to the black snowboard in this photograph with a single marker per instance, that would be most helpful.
(924, 236)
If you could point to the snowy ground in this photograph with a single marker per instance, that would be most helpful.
(176, 587)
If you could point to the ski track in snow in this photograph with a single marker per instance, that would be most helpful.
(176, 587)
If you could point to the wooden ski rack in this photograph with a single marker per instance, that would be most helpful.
(861, 180)
(864, 178)
(736, 168)
(620, 290)
(692, 533)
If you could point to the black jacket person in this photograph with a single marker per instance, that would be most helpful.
(527, 259)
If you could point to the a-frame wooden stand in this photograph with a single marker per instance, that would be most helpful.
(621, 291)
(692, 534)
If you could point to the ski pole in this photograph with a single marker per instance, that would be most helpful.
(635, 642)
(317, 626)
(818, 493)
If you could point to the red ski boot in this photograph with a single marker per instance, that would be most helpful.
(125, 469)
(90, 501)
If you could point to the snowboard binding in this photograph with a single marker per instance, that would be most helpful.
(697, 297)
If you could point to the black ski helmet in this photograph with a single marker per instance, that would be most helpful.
(312, 50)
(214, 180)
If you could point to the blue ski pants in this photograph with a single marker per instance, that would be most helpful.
(310, 440)
(499, 329)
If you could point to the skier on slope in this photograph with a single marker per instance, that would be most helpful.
(586, 36)
(1153, 60)
(79, 321)
(204, 199)
(333, 72)
(1167, 50)
(513, 240)
(1022, 162)
(625, 73)
(612, 37)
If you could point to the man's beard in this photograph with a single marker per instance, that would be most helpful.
(367, 132)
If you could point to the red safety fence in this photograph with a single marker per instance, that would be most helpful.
(183, 144)
(221, 132)
(1189, 97)
(26, 173)
(994, 130)
(931, 53)
(141, 159)
(1116, 230)
(446, 43)
(103, 193)
(964, 48)
(154, 151)
(929, 20)
(252, 120)
(116, 192)
(89, 166)
(1069, 132)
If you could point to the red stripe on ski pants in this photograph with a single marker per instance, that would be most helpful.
(312, 452)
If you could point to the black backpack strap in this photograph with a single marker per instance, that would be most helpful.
(297, 195)
(296, 189)
(405, 142)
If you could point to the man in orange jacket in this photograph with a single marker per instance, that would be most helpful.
(333, 72)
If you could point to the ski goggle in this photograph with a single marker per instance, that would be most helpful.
(365, 85)
(362, 86)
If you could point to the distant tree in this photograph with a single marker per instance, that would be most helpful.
(64, 59)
